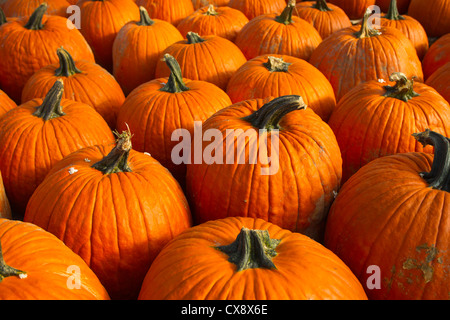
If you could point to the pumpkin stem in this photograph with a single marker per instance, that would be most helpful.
(175, 82)
(251, 249)
(270, 114)
(393, 13)
(211, 11)
(117, 159)
(403, 88)
(5, 270)
(366, 30)
(193, 38)
(67, 66)
(275, 64)
(51, 106)
(35, 21)
(286, 16)
(322, 6)
(2, 17)
(439, 176)
(145, 18)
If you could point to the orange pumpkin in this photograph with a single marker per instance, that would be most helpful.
(223, 259)
(35, 265)
(440, 80)
(5, 208)
(114, 207)
(437, 55)
(434, 16)
(254, 8)
(203, 3)
(28, 44)
(154, 110)
(279, 75)
(84, 81)
(6, 103)
(353, 8)
(100, 23)
(327, 18)
(207, 58)
(391, 221)
(271, 159)
(172, 11)
(137, 48)
(40, 132)
(361, 53)
(282, 33)
(19, 8)
(224, 21)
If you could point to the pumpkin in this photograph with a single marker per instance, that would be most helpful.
(100, 21)
(35, 265)
(410, 27)
(6, 103)
(114, 207)
(402, 5)
(440, 81)
(254, 8)
(434, 16)
(224, 21)
(28, 44)
(156, 109)
(279, 75)
(375, 120)
(203, 3)
(399, 224)
(272, 158)
(282, 33)
(19, 8)
(437, 55)
(84, 81)
(172, 11)
(353, 8)
(207, 58)
(222, 259)
(138, 46)
(5, 208)
(40, 132)
(360, 53)
(325, 17)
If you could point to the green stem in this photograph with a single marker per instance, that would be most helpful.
(275, 64)
(251, 249)
(322, 6)
(268, 117)
(51, 106)
(193, 38)
(145, 19)
(2, 17)
(211, 11)
(393, 13)
(439, 176)
(35, 21)
(117, 159)
(403, 88)
(366, 30)
(5, 270)
(67, 65)
(286, 16)
(175, 82)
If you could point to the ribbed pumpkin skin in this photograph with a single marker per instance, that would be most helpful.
(437, 55)
(100, 23)
(214, 60)
(353, 8)
(190, 268)
(172, 11)
(116, 222)
(434, 16)
(29, 146)
(398, 223)
(368, 125)
(346, 60)
(95, 87)
(5, 208)
(23, 51)
(326, 22)
(137, 49)
(49, 266)
(255, 80)
(226, 22)
(6, 103)
(440, 80)
(264, 34)
(19, 8)
(254, 8)
(309, 158)
(153, 115)
(202, 3)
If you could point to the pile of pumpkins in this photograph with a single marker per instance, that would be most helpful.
(98, 99)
